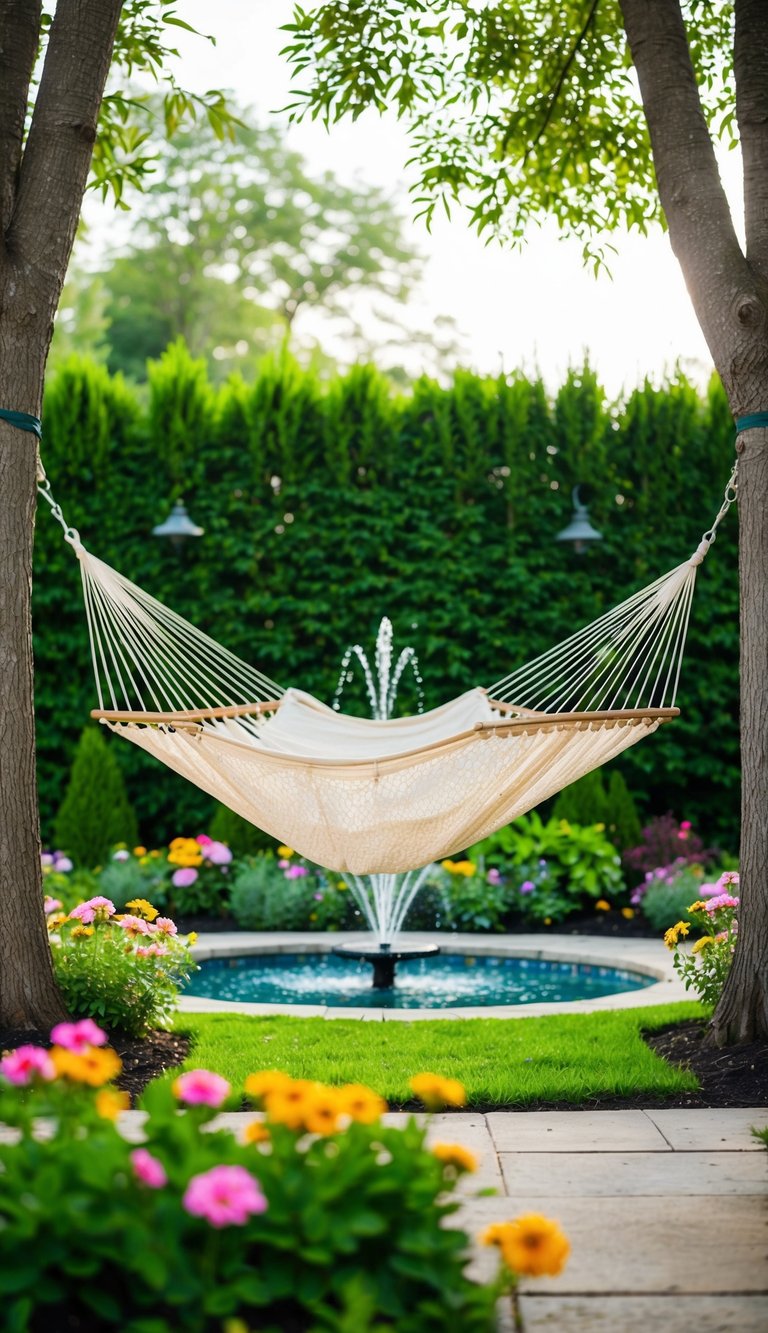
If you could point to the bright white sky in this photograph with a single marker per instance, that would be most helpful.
(535, 310)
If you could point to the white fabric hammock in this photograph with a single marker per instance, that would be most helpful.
(363, 796)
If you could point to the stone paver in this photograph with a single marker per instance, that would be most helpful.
(595, 1175)
(702, 1130)
(641, 1314)
(575, 1131)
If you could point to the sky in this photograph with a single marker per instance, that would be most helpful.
(535, 310)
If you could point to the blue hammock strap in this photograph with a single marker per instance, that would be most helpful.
(23, 421)
(754, 420)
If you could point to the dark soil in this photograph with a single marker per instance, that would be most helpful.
(737, 1076)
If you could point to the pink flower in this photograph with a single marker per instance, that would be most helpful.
(121, 855)
(203, 840)
(184, 876)
(166, 926)
(685, 823)
(148, 1169)
(201, 1088)
(729, 878)
(296, 872)
(722, 900)
(25, 1063)
(283, 864)
(62, 864)
(218, 854)
(51, 904)
(527, 886)
(708, 890)
(46, 859)
(224, 1196)
(134, 925)
(78, 1036)
(88, 911)
(152, 950)
(493, 876)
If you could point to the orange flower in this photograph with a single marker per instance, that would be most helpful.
(288, 1106)
(455, 1157)
(531, 1246)
(109, 1103)
(321, 1114)
(94, 1066)
(361, 1103)
(602, 906)
(264, 1084)
(256, 1132)
(435, 1091)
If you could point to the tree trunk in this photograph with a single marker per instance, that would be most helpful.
(729, 291)
(29, 996)
(742, 1014)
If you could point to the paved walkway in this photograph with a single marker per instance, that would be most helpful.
(635, 955)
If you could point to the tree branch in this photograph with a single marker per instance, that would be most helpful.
(750, 60)
(580, 36)
(729, 302)
(19, 37)
(54, 166)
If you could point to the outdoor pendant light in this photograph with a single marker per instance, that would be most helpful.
(580, 531)
(178, 527)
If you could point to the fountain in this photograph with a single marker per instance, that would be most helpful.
(383, 899)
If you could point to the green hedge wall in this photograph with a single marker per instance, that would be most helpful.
(328, 506)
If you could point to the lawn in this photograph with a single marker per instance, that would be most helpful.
(501, 1062)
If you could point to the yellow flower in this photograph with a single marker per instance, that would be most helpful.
(628, 913)
(313, 916)
(285, 853)
(464, 868)
(341, 885)
(265, 1083)
(96, 1066)
(256, 1132)
(602, 905)
(435, 1091)
(139, 851)
(672, 935)
(321, 1115)
(55, 920)
(698, 906)
(155, 854)
(81, 932)
(455, 1157)
(289, 1105)
(531, 1246)
(109, 1103)
(234, 1325)
(703, 943)
(600, 828)
(448, 865)
(140, 907)
(547, 920)
(361, 1103)
(191, 937)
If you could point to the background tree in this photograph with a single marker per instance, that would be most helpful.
(50, 131)
(601, 115)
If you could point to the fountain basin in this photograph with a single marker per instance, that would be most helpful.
(476, 979)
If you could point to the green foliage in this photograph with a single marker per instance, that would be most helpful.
(705, 966)
(669, 893)
(95, 812)
(264, 898)
(584, 802)
(522, 111)
(622, 821)
(243, 837)
(125, 878)
(126, 980)
(352, 1237)
(437, 509)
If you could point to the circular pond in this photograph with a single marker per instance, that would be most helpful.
(447, 981)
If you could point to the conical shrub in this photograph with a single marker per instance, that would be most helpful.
(622, 821)
(584, 802)
(95, 813)
(242, 837)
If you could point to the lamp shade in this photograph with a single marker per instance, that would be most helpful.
(178, 526)
(579, 532)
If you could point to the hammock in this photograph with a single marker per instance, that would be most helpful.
(364, 796)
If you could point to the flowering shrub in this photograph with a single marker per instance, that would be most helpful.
(135, 873)
(122, 968)
(322, 1218)
(666, 842)
(665, 893)
(705, 966)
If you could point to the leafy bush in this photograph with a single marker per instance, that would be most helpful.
(705, 968)
(470, 899)
(122, 969)
(664, 895)
(135, 874)
(289, 894)
(324, 1218)
(553, 868)
(244, 838)
(622, 821)
(95, 812)
(584, 802)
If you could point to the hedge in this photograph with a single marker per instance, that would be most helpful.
(326, 506)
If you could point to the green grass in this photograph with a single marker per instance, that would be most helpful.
(501, 1062)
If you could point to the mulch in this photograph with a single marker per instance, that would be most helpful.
(736, 1076)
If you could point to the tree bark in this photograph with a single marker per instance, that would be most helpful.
(729, 291)
(41, 192)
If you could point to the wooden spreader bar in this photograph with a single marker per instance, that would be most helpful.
(186, 715)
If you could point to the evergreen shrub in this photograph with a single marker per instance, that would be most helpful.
(95, 813)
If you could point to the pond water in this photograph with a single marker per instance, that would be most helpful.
(446, 981)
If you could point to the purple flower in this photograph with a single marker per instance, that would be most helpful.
(318, 897)
(46, 859)
(183, 877)
(62, 864)
(217, 853)
(527, 886)
(493, 876)
(296, 872)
